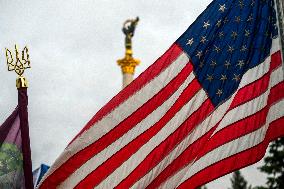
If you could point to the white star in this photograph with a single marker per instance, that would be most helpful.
(221, 34)
(206, 24)
(222, 8)
(238, 19)
(237, 77)
(223, 77)
(247, 33)
(209, 77)
(225, 20)
(203, 39)
(219, 92)
(190, 42)
(219, 22)
(250, 18)
(241, 4)
(227, 63)
(234, 35)
(244, 48)
(231, 49)
(199, 54)
(241, 63)
(201, 64)
(217, 49)
(213, 63)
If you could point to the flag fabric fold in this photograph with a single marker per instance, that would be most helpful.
(38, 173)
(11, 158)
(210, 105)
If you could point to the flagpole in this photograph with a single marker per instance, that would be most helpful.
(24, 124)
(19, 64)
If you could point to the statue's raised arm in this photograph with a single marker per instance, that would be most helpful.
(128, 29)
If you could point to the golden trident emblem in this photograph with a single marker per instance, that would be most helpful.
(18, 64)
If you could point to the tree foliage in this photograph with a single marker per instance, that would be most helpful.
(274, 166)
(238, 181)
(11, 158)
(11, 166)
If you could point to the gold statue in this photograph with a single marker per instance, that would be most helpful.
(129, 29)
(18, 64)
(128, 63)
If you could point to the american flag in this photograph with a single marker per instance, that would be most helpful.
(210, 105)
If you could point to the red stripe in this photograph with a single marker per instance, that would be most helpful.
(85, 154)
(167, 145)
(276, 130)
(116, 160)
(277, 91)
(251, 91)
(150, 73)
(276, 60)
(243, 158)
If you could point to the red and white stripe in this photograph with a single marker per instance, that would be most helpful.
(141, 98)
(242, 130)
(163, 131)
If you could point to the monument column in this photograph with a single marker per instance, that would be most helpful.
(128, 63)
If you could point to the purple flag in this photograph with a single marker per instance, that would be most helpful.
(15, 153)
(11, 157)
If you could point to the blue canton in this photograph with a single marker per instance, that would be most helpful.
(227, 39)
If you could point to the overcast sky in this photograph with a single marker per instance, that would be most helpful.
(73, 47)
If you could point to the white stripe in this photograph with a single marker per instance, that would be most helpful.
(275, 112)
(127, 167)
(205, 127)
(243, 111)
(122, 111)
(276, 76)
(238, 145)
(275, 45)
(254, 74)
(36, 174)
(144, 125)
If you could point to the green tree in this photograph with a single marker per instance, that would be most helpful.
(11, 158)
(11, 166)
(238, 181)
(274, 166)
